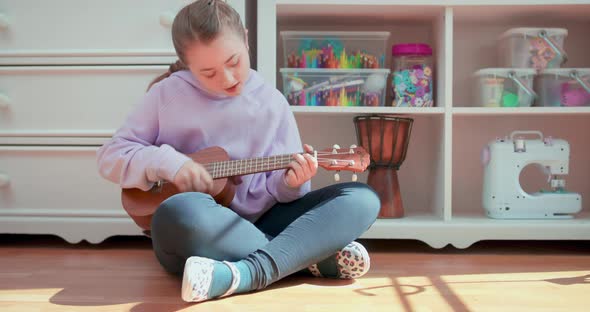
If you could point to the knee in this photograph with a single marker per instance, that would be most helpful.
(181, 214)
(363, 203)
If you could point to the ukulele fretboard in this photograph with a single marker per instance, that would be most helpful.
(223, 169)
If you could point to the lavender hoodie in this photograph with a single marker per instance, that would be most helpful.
(177, 117)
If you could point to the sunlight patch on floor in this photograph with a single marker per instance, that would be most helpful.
(471, 292)
(32, 295)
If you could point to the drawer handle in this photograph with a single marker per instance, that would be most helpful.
(4, 180)
(5, 101)
(4, 23)
(166, 19)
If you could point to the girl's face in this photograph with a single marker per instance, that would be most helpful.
(221, 66)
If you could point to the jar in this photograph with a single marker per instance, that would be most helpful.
(412, 72)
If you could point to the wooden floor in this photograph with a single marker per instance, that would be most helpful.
(43, 273)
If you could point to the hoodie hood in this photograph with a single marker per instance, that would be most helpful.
(253, 82)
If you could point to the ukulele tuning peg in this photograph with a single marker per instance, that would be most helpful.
(157, 188)
(336, 177)
(352, 147)
(354, 177)
(336, 146)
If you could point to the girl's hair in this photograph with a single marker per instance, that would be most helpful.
(200, 21)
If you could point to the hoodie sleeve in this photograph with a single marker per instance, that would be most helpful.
(287, 141)
(130, 159)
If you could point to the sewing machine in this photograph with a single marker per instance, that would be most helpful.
(504, 159)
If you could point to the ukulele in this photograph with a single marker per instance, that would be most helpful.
(141, 205)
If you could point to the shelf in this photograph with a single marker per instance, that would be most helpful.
(476, 30)
(425, 3)
(480, 227)
(367, 110)
(419, 226)
(442, 176)
(466, 229)
(540, 12)
(498, 111)
(405, 23)
(472, 134)
(420, 174)
(476, 219)
(371, 12)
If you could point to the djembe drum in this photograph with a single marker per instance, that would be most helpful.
(386, 138)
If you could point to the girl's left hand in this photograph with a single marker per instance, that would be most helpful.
(302, 168)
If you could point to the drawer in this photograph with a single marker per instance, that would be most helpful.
(70, 100)
(36, 32)
(55, 182)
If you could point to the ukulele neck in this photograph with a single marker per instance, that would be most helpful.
(230, 168)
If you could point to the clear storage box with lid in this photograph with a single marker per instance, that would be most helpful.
(563, 87)
(334, 49)
(334, 87)
(412, 82)
(537, 48)
(504, 87)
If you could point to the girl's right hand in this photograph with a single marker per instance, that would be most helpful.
(193, 177)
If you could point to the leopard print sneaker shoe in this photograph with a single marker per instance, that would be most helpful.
(352, 261)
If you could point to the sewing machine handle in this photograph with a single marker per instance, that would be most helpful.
(525, 132)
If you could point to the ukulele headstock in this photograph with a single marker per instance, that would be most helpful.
(354, 159)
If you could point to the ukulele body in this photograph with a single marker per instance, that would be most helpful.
(141, 205)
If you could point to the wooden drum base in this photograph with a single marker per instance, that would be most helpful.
(384, 181)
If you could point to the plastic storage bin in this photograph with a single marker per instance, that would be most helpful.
(336, 49)
(504, 87)
(563, 87)
(412, 75)
(334, 87)
(537, 48)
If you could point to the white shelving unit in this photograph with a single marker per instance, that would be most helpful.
(441, 178)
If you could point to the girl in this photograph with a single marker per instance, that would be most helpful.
(275, 226)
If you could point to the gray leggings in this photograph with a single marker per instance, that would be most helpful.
(286, 239)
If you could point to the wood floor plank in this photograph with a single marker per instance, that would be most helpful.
(43, 273)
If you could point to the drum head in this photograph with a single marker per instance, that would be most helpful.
(386, 138)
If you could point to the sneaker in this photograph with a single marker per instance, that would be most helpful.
(353, 261)
(197, 278)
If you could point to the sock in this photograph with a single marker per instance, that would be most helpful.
(351, 261)
(328, 267)
(222, 279)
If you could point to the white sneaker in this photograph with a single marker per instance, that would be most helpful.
(197, 278)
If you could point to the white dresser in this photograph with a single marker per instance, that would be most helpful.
(70, 71)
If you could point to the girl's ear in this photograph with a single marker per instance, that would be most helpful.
(246, 38)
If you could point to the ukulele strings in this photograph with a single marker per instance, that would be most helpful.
(331, 160)
(233, 164)
(338, 153)
(210, 167)
(274, 161)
